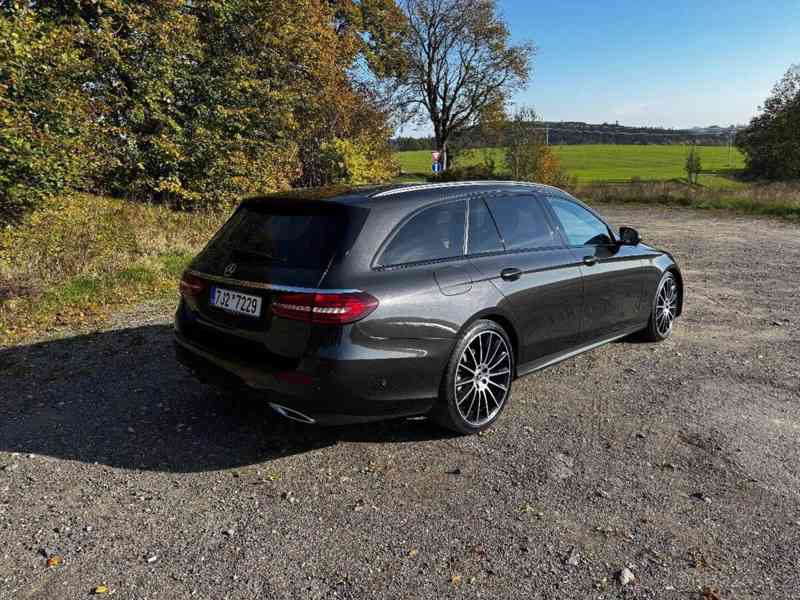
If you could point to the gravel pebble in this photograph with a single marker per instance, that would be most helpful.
(625, 576)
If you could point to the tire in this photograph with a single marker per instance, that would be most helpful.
(477, 381)
(663, 310)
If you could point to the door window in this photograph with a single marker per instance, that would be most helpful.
(483, 236)
(432, 234)
(523, 223)
(579, 225)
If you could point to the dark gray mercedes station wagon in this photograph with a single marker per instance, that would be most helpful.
(352, 305)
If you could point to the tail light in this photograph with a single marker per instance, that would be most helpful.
(191, 285)
(328, 309)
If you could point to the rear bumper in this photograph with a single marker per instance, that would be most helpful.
(328, 392)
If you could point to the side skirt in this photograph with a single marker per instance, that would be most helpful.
(548, 361)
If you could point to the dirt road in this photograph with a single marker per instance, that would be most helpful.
(680, 461)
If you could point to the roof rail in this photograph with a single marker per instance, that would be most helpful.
(454, 184)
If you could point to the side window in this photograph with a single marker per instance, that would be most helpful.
(523, 223)
(580, 226)
(436, 232)
(483, 236)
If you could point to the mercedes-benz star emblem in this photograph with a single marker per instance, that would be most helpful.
(231, 269)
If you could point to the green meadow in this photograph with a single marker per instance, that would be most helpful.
(604, 163)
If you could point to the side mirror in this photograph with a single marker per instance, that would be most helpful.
(628, 236)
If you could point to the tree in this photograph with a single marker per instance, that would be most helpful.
(459, 62)
(771, 143)
(522, 144)
(693, 165)
(193, 102)
(528, 157)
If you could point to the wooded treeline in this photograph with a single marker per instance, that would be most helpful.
(192, 102)
(574, 132)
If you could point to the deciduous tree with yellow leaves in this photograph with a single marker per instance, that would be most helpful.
(192, 102)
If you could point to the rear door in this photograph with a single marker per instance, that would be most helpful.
(513, 242)
(613, 273)
(435, 233)
(266, 248)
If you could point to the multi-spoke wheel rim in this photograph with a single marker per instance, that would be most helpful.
(483, 378)
(666, 306)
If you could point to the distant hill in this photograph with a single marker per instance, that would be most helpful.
(578, 132)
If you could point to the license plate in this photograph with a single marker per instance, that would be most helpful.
(243, 304)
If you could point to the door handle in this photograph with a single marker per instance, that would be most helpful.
(511, 274)
(589, 261)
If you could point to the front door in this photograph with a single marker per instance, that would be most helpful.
(613, 274)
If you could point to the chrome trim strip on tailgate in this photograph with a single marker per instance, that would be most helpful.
(269, 286)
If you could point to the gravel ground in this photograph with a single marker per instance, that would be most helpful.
(678, 461)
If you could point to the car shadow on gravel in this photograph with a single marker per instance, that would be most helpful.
(119, 398)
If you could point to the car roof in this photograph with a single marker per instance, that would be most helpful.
(457, 188)
(393, 194)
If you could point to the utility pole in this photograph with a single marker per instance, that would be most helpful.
(547, 135)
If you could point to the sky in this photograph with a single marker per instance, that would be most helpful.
(669, 63)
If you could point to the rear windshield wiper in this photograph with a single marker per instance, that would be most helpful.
(259, 255)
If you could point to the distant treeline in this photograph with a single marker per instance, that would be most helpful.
(575, 132)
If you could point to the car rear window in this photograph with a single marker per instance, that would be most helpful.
(300, 236)
(432, 234)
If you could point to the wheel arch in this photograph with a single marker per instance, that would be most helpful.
(505, 321)
(677, 273)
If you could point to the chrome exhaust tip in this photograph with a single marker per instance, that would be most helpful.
(290, 413)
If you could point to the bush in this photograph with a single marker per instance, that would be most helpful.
(45, 118)
(359, 161)
(477, 172)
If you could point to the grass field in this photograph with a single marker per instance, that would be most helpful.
(596, 163)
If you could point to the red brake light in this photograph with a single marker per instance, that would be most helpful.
(342, 308)
(191, 285)
(329, 309)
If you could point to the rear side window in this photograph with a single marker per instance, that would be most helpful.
(580, 226)
(523, 223)
(432, 234)
(293, 236)
(483, 236)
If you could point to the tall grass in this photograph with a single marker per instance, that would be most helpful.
(76, 257)
(774, 199)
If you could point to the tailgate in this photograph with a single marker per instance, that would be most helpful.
(268, 248)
